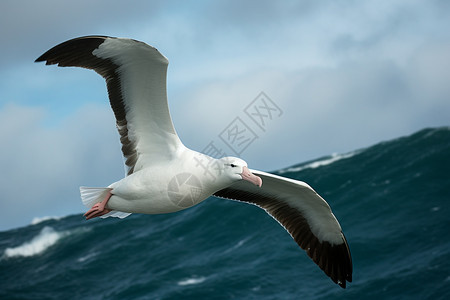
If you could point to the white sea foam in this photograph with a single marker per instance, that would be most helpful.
(238, 245)
(190, 281)
(320, 163)
(87, 257)
(46, 238)
(38, 220)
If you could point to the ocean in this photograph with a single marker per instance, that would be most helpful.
(392, 200)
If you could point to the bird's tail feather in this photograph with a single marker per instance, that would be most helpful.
(92, 195)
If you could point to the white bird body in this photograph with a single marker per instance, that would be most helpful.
(163, 176)
(146, 191)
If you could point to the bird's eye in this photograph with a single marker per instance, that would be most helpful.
(231, 165)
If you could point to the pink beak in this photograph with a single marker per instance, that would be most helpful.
(249, 176)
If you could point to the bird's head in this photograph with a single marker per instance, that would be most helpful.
(236, 169)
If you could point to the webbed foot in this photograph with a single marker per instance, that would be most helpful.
(99, 209)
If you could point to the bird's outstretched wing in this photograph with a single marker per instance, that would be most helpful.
(305, 215)
(135, 75)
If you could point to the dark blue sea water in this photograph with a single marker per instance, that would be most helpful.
(392, 200)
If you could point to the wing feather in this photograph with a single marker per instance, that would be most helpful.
(305, 215)
(135, 75)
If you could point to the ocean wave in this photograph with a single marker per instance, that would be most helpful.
(320, 163)
(190, 281)
(248, 256)
(46, 238)
(38, 220)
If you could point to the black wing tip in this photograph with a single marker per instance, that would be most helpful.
(333, 259)
(346, 268)
(88, 41)
(39, 59)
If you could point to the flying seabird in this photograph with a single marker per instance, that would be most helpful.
(163, 175)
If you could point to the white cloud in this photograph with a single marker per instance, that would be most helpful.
(44, 166)
(326, 110)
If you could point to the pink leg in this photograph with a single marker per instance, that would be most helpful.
(99, 208)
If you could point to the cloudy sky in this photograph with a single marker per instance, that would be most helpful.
(344, 75)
